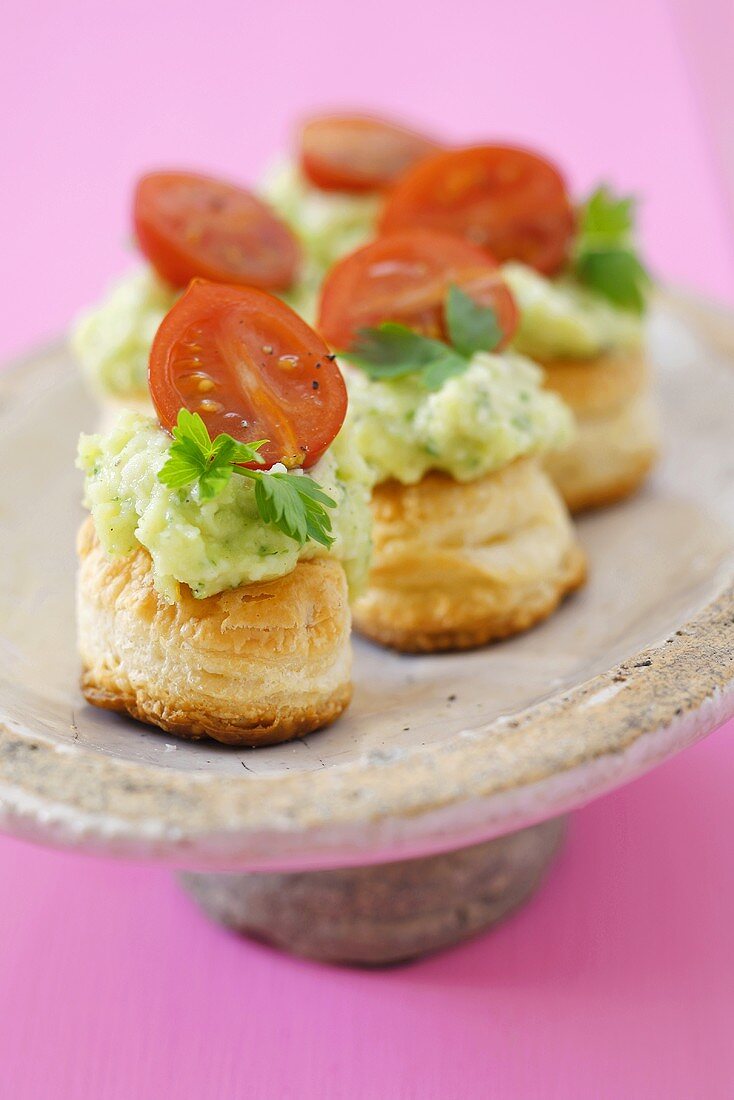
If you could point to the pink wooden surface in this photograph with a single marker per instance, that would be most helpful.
(618, 979)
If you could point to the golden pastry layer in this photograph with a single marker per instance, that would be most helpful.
(459, 564)
(255, 665)
(617, 438)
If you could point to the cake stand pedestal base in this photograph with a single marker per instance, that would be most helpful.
(384, 913)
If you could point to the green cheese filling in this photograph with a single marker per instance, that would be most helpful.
(477, 422)
(217, 544)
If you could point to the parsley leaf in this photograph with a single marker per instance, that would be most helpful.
(616, 274)
(471, 327)
(296, 505)
(393, 351)
(608, 218)
(193, 457)
(605, 259)
(292, 502)
(443, 367)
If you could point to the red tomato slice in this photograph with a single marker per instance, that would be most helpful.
(250, 367)
(507, 200)
(404, 277)
(191, 227)
(352, 153)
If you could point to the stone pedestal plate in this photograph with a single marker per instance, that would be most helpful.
(433, 807)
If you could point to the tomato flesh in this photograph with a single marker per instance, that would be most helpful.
(191, 226)
(355, 153)
(507, 200)
(250, 367)
(404, 277)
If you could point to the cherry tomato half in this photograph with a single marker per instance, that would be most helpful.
(353, 153)
(404, 277)
(507, 200)
(191, 227)
(250, 367)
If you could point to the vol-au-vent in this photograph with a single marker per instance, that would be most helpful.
(471, 540)
(212, 596)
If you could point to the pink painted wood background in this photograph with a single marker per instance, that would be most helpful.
(618, 980)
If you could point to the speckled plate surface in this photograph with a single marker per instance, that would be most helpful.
(435, 752)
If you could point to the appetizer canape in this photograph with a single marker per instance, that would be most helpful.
(186, 226)
(331, 193)
(471, 539)
(212, 592)
(580, 288)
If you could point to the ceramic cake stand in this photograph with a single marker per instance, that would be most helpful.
(436, 804)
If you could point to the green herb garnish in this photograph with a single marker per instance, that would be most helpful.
(604, 257)
(471, 327)
(292, 502)
(392, 350)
